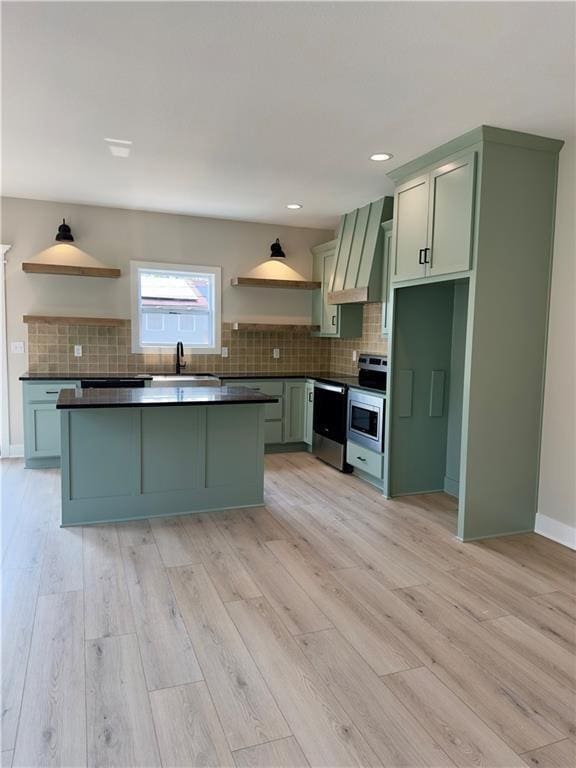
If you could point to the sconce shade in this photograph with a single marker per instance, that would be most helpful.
(64, 233)
(276, 251)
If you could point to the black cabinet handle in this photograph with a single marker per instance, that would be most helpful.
(310, 397)
(360, 458)
(52, 391)
(426, 251)
(420, 252)
(333, 319)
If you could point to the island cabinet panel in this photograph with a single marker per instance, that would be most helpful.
(106, 465)
(172, 454)
(233, 435)
(137, 462)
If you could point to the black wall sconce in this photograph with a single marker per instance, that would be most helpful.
(64, 233)
(276, 251)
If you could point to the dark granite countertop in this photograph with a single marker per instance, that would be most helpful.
(330, 377)
(159, 396)
(79, 376)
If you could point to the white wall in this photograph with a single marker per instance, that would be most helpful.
(114, 236)
(557, 496)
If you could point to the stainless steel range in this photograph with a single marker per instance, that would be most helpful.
(366, 409)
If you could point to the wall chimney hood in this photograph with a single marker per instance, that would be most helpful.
(357, 277)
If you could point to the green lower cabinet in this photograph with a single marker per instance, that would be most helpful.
(369, 464)
(42, 422)
(308, 412)
(294, 411)
(43, 433)
(284, 421)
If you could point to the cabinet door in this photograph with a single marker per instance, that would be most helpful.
(451, 216)
(411, 219)
(294, 412)
(330, 311)
(42, 431)
(386, 289)
(308, 412)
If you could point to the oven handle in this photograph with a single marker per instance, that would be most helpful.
(330, 387)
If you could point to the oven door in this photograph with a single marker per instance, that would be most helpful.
(366, 420)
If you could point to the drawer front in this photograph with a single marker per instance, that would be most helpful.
(272, 431)
(362, 458)
(272, 387)
(46, 391)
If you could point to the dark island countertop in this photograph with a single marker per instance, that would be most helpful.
(159, 396)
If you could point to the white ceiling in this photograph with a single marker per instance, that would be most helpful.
(236, 109)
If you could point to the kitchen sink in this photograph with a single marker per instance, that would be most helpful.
(183, 380)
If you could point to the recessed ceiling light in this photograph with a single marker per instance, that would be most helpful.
(379, 156)
(118, 141)
(119, 147)
(294, 206)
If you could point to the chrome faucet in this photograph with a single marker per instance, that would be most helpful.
(179, 355)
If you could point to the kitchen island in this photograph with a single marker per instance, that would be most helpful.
(138, 453)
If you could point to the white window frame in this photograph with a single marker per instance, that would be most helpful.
(137, 348)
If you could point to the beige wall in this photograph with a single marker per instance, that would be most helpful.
(112, 237)
(557, 498)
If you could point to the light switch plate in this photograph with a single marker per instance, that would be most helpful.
(224, 351)
(17, 347)
(275, 353)
(354, 355)
(77, 350)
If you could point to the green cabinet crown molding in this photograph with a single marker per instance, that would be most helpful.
(483, 133)
(358, 271)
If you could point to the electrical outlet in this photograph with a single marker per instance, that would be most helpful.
(77, 350)
(17, 347)
(354, 355)
(224, 351)
(275, 353)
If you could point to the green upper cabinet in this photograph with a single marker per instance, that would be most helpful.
(451, 217)
(434, 221)
(339, 322)
(358, 272)
(411, 218)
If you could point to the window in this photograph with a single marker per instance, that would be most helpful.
(175, 302)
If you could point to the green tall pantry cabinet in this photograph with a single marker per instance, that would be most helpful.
(471, 264)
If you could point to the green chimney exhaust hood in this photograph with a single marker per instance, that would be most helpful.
(357, 277)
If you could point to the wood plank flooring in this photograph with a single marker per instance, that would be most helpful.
(329, 628)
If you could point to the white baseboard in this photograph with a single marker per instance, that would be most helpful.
(555, 530)
(15, 451)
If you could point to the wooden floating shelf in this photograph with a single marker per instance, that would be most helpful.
(38, 268)
(65, 320)
(262, 282)
(275, 327)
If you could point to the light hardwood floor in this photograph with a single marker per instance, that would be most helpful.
(328, 628)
